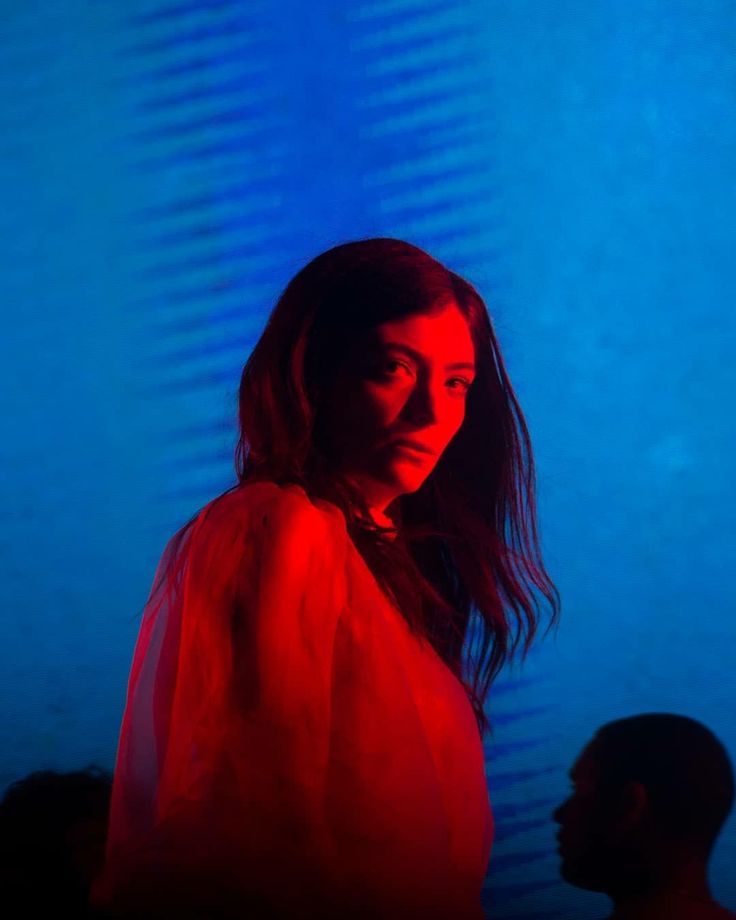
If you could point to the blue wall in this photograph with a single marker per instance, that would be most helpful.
(166, 167)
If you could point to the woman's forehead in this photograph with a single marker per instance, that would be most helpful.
(444, 332)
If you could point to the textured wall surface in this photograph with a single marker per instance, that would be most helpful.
(166, 167)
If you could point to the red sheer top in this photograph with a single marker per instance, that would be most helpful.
(289, 748)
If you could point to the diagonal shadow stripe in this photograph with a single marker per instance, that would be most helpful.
(222, 89)
(509, 810)
(191, 36)
(504, 862)
(505, 830)
(204, 62)
(504, 894)
(171, 11)
(505, 779)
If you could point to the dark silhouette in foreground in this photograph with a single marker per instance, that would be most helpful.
(52, 841)
(650, 795)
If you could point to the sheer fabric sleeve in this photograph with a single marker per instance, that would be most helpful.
(219, 788)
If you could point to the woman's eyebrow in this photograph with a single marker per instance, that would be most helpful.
(418, 357)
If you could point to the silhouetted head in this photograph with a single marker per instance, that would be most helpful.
(52, 838)
(647, 790)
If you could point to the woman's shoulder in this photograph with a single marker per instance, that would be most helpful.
(267, 507)
(270, 535)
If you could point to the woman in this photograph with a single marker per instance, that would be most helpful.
(302, 735)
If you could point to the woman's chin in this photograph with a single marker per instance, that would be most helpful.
(411, 467)
(384, 483)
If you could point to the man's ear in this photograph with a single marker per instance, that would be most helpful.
(633, 806)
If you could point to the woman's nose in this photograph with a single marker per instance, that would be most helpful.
(421, 406)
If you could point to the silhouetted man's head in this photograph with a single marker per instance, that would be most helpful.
(645, 789)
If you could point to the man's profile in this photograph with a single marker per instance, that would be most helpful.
(650, 795)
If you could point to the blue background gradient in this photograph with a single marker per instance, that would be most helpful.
(167, 167)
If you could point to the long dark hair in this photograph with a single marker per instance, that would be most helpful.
(465, 570)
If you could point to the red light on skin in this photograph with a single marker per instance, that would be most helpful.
(412, 446)
(411, 453)
(401, 387)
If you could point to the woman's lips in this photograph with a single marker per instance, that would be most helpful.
(409, 445)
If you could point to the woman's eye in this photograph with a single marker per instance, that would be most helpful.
(460, 383)
(392, 368)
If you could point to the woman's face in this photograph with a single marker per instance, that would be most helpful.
(398, 400)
